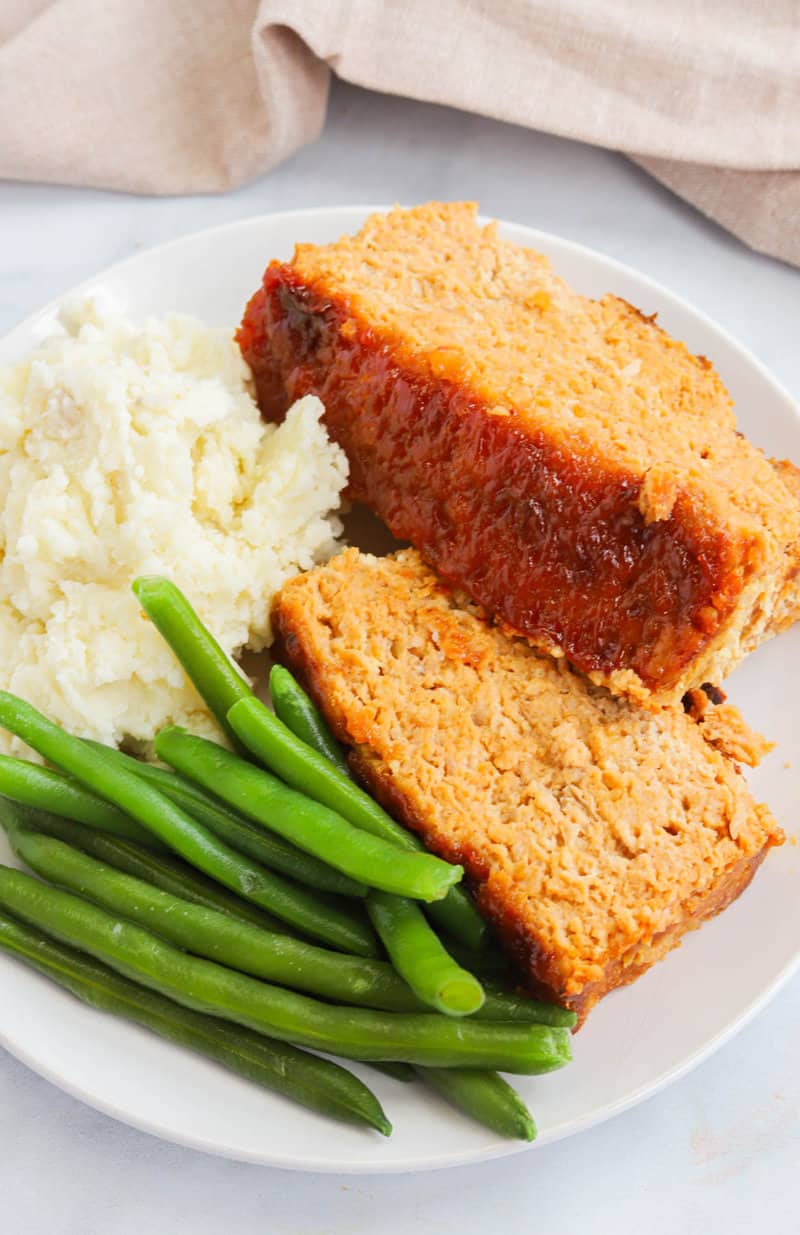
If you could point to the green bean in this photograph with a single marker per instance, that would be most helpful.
(264, 954)
(305, 769)
(240, 833)
(420, 958)
(319, 1084)
(501, 1005)
(275, 746)
(217, 680)
(304, 822)
(456, 915)
(486, 1097)
(243, 938)
(118, 879)
(483, 1095)
(240, 946)
(168, 873)
(309, 912)
(488, 960)
(300, 714)
(33, 785)
(355, 1033)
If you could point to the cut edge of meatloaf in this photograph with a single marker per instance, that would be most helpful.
(593, 833)
(564, 460)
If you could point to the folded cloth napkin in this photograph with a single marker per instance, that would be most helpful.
(182, 96)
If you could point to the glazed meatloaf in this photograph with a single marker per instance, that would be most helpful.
(563, 460)
(595, 833)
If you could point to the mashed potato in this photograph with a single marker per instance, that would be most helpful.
(128, 450)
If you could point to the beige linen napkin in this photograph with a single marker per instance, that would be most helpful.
(176, 96)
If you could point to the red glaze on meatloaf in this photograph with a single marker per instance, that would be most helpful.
(563, 460)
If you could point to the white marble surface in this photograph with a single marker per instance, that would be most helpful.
(717, 1152)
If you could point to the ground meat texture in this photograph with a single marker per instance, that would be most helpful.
(593, 832)
(565, 461)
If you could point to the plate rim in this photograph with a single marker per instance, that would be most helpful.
(498, 1148)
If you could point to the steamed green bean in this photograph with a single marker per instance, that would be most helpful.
(420, 958)
(304, 822)
(212, 672)
(44, 789)
(239, 832)
(159, 869)
(316, 1083)
(308, 912)
(300, 714)
(486, 1097)
(355, 1033)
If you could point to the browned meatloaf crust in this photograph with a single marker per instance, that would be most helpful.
(593, 832)
(565, 461)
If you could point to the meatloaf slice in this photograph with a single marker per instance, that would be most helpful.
(594, 833)
(563, 460)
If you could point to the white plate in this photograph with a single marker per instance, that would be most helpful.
(636, 1041)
